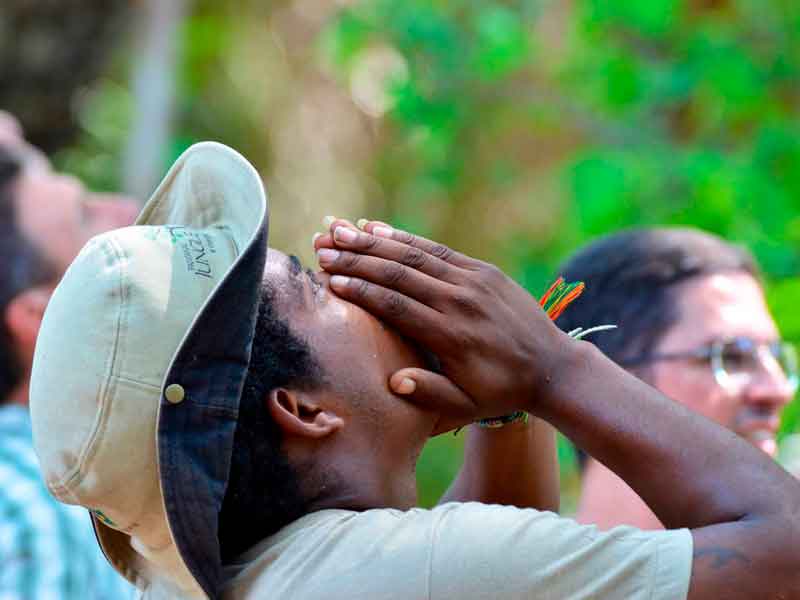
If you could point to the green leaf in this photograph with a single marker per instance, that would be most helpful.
(344, 38)
(502, 44)
(650, 18)
(600, 191)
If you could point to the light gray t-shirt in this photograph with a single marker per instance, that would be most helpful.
(460, 552)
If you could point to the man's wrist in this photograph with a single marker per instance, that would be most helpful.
(566, 368)
(519, 416)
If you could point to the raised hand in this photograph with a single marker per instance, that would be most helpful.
(496, 346)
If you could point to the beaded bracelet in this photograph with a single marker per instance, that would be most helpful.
(496, 422)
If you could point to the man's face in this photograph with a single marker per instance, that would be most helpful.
(13, 138)
(58, 215)
(10, 129)
(715, 308)
(358, 354)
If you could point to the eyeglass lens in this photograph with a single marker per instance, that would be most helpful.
(742, 358)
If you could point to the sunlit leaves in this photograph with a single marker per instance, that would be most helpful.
(680, 112)
(600, 186)
(204, 40)
(650, 18)
(502, 43)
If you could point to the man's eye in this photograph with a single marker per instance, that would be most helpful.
(734, 357)
(316, 284)
(739, 353)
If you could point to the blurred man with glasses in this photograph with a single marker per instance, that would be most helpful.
(693, 322)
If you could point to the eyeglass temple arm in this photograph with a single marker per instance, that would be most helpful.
(699, 354)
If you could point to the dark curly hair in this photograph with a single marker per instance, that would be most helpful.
(22, 266)
(263, 493)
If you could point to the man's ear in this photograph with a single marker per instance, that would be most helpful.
(300, 414)
(23, 317)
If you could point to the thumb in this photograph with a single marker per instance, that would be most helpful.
(435, 393)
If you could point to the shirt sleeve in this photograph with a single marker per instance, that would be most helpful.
(498, 552)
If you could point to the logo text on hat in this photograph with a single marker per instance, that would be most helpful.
(196, 247)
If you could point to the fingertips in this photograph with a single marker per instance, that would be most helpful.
(325, 239)
(376, 228)
(382, 231)
(352, 238)
(346, 235)
(322, 240)
(369, 226)
(327, 257)
(433, 391)
(403, 382)
(331, 223)
(340, 284)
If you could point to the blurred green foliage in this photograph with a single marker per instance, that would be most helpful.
(516, 130)
(659, 112)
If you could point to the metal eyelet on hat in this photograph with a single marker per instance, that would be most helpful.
(174, 393)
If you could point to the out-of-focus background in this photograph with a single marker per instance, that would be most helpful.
(513, 130)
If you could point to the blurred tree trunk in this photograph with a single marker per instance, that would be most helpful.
(153, 83)
(50, 50)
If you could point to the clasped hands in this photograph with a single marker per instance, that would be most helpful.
(498, 350)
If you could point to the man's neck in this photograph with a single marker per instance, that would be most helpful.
(351, 485)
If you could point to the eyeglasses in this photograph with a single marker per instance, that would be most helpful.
(734, 361)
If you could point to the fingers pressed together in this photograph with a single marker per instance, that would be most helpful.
(481, 325)
(407, 281)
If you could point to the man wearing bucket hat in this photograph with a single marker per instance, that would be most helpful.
(47, 549)
(241, 428)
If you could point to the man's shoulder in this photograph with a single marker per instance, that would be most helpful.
(353, 523)
(468, 550)
(347, 524)
(366, 552)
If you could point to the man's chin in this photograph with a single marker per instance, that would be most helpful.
(764, 440)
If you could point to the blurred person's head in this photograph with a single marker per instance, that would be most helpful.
(13, 140)
(316, 396)
(45, 218)
(692, 322)
(10, 128)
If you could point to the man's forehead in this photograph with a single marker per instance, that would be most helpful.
(282, 273)
(12, 141)
(275, 268)
(275, 259)
(10, 128)
(724, 305)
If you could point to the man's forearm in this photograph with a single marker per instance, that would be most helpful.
(515, 465)
(743, 509)
(690, 471)
(496, 346)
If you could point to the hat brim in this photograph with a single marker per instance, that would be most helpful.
(210, 185)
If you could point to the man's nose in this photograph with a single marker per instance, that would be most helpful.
(770, 384)
(119, 210)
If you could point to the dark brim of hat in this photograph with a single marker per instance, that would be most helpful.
(195, 437)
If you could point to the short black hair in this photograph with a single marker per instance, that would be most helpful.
(631, 281)
(22, 267)
(264, 490)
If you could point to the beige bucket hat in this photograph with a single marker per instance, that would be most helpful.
(139, 365)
